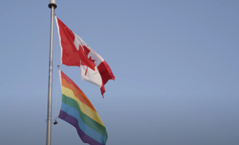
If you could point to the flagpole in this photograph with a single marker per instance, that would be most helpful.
(52, 5)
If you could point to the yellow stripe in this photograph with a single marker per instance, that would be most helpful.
(83, 107)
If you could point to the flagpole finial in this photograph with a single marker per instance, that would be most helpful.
(52, 3)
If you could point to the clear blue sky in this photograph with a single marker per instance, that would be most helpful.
(175, 63)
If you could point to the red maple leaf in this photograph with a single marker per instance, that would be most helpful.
(89, 59)
(87, 51)
(84, 58)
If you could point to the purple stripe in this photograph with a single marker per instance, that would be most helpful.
(85, 138)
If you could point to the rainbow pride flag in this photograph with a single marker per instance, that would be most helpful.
(77, 110)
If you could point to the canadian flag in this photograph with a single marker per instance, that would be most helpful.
(75, 52)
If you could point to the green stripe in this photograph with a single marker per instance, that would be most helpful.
(86, 119)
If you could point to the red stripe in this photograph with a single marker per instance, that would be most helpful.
(102, 89)
(105, 72)
(64, 76)
(70, 55)
(76, 90)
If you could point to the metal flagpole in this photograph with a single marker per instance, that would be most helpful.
(52, 6)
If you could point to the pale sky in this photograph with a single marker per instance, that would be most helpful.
(175, 65)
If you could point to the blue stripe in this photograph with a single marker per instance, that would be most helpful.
(85, 128)
(85, 138)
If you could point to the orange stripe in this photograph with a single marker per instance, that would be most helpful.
(78, 93)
